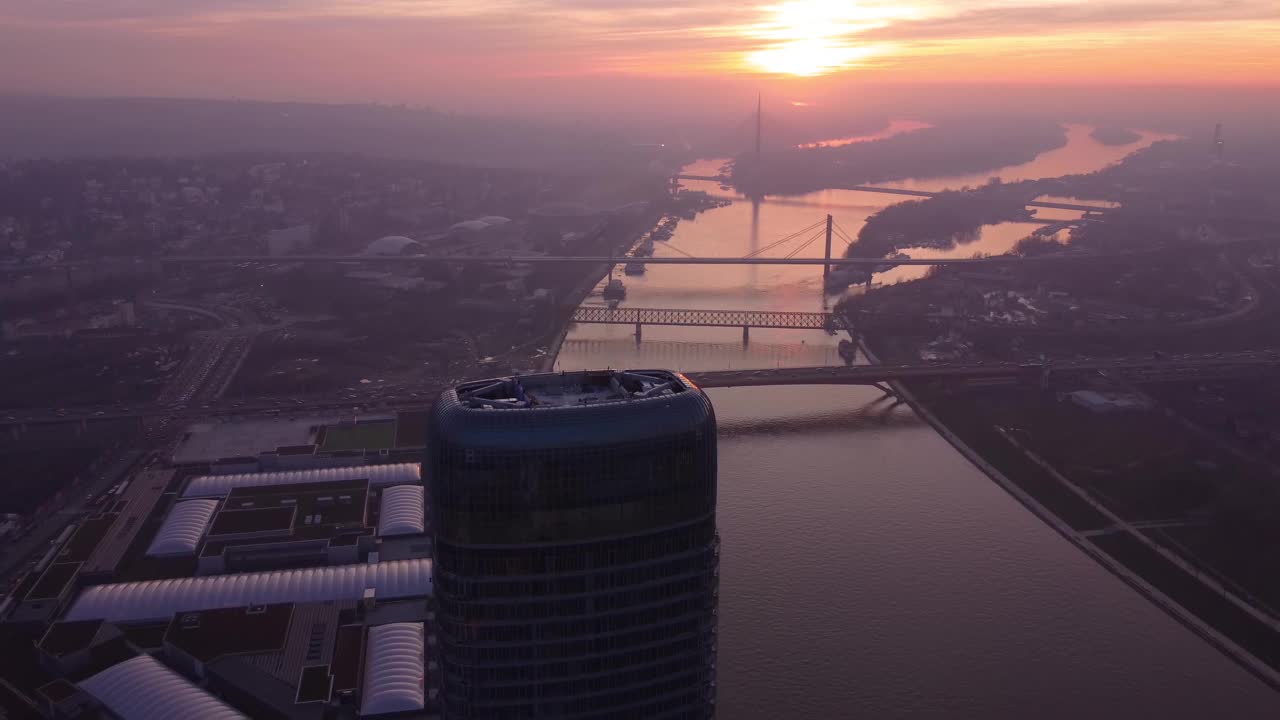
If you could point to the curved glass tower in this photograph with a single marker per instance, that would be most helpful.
(576, 554)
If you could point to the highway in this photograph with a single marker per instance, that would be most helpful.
(214, 359)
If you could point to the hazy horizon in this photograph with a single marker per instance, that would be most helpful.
(620, 56)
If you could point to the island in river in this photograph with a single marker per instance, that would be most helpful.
(1114, 135)
(947, 147)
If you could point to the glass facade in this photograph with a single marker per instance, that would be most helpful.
(576, 555)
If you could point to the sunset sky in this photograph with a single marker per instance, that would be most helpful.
(454, 51)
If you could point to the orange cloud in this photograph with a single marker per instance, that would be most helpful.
(440, 50)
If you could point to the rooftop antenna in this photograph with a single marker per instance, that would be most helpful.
(1219, 147)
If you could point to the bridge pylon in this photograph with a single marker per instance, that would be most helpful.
(826, 268)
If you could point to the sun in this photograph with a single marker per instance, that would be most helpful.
(806, 58)
(815, 37)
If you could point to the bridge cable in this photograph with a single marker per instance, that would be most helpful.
(784, 239)
(669, 246)
(844, 235)
(805, 244)
(848, 240)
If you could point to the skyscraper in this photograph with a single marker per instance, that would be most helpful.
(577, 557)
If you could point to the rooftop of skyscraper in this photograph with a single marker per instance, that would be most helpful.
(570, 389)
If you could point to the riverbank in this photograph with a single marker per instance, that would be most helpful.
(580, 292)
(1248, 638)
(571, 300)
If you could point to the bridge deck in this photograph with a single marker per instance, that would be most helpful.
(725, 180)
(1142, 370)
(708, 318)
(161, 261)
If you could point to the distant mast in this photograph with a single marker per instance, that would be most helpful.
(759, 122)
(1219, 147)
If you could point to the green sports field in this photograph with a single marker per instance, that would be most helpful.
(361, 436)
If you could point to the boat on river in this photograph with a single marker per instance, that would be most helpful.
(848, 351)
(614, 290)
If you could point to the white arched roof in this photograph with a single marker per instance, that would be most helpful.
(391, 245)
(144, 689)
(394, 669)
(471, 225)
(377, 475)
(162, 599)
(494, 220)
(403, 510)
(183, 528)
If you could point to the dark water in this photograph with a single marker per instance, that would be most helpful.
(869, 570)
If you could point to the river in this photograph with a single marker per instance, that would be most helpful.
(868, 569)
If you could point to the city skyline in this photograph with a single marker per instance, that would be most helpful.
(639, 359)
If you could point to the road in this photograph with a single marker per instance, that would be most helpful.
(35, 538)
(215, 358)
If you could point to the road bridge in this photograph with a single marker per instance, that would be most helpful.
(402, 260)
(722, 179)
(1143, 370)
(929, 193)
(217, 315)
(857, 375)
(726, 180)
